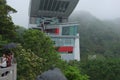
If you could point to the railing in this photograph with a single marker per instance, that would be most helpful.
(12, 72)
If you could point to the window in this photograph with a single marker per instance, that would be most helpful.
(65, 31)
(53, 31)
(41, 4)
(64, 41)
(69, 30)
(53, 5)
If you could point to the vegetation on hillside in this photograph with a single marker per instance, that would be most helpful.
(36, 54)
(97, 37)
(108, 69)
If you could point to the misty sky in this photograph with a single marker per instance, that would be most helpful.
(102, 9)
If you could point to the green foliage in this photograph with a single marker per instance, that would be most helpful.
(19, 37)
(42, 46)
(102, 69)
(29, 65)
(2, 42)
(7, 28)
(73, 73)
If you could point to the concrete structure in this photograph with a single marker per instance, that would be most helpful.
(12, 75)
(52, 8)
(51, 16)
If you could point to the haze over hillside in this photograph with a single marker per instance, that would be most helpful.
(84, 17)
(84, 14)
(97, 37)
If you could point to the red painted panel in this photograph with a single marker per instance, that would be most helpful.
(53, 31)
(57, 31)
(65, 49)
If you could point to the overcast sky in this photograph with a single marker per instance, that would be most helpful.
(103, 9)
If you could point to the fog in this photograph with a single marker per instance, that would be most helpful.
(102, 9)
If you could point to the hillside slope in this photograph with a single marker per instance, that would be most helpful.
(97, 37)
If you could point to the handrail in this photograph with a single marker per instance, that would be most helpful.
(12, 75)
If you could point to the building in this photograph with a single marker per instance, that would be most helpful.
(51, 16)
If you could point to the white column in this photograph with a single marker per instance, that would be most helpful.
(77, 49)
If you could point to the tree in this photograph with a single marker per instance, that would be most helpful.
(7, 28)
(102, 69)
(19, 31)
(42, 46)
(29, 65)
(2, 43)
(73, 73)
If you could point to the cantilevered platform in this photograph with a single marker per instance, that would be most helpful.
(52, 8)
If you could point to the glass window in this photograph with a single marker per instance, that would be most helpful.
(64, 41)
(65, 31)
(53, 5)
(32, 20)
(69, 42)
(41, 4)
(69, 30)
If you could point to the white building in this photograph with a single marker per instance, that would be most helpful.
(51, 16)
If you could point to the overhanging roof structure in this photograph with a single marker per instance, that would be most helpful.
(52, 8)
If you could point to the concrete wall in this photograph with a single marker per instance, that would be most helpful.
(12, 75)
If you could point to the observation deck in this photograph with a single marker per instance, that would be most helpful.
(51, 17)
(52, 8)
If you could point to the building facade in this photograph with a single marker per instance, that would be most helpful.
(51, 16)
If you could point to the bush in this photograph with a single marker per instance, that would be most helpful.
(28, 64)
(73, 73)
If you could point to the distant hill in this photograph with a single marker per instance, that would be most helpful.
(96, 36)
(117, 21)
(82, 15)
(114, 24)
